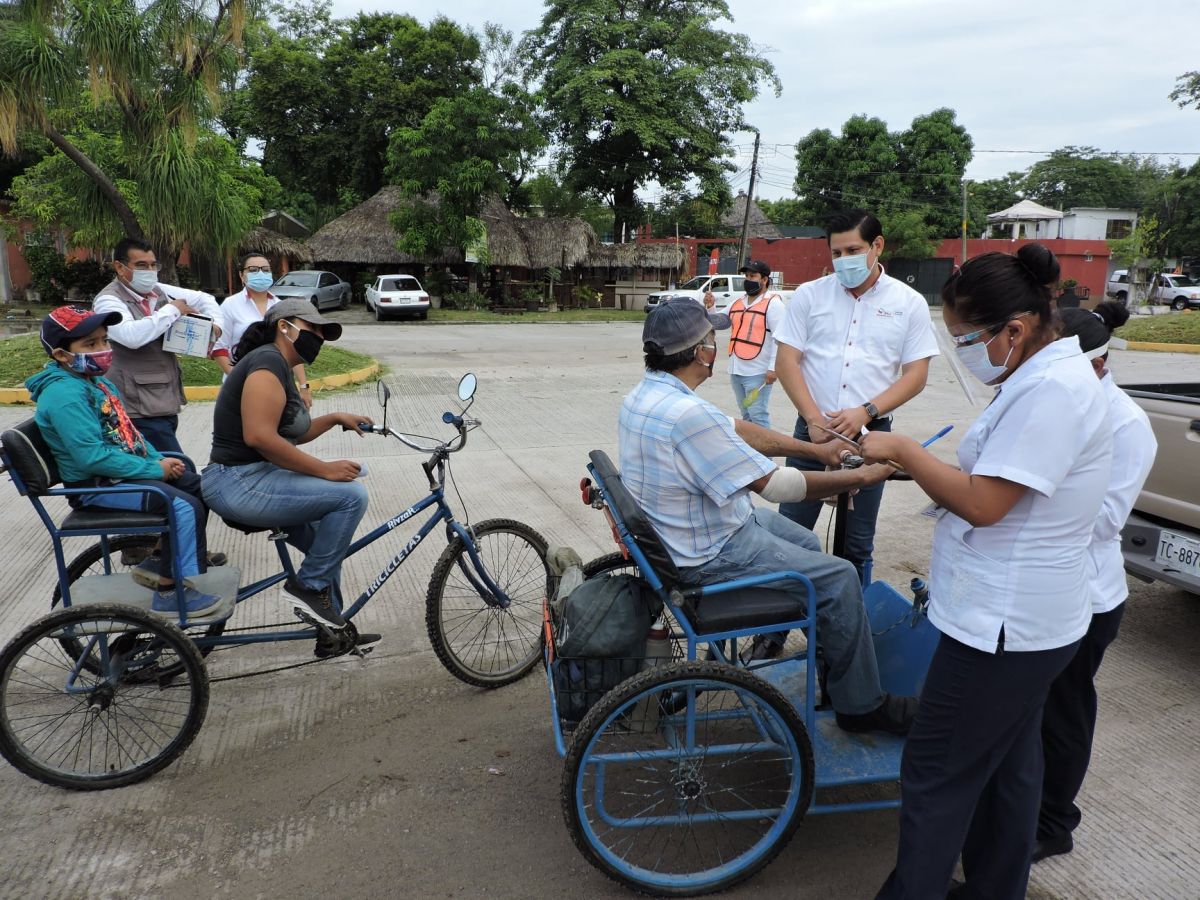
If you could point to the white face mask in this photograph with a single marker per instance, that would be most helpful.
(975, 360)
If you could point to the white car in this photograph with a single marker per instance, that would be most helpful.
(397, 295)
(725, 289)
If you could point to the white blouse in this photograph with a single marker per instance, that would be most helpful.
(1134, 447)
(1022, 583)
(239, 313)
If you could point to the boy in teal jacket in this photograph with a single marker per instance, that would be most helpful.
(82, 419)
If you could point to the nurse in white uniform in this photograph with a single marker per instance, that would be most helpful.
(1070, 717)
(243, 309)
(1008, 580)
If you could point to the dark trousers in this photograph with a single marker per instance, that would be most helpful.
(971, 774)
(864, 506)
(160, 432)
(1068, 725)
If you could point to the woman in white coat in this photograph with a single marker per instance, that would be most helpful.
(243, 309)
(1070, 717)
(1008, 579)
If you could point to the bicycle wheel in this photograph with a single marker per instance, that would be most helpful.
(482, 644)
(91, 562)
(687, 778)
(68, 726)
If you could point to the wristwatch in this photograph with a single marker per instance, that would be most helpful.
(872, 409)
(303, 387)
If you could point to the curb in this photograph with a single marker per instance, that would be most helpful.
(20, 396)
(1162, 348)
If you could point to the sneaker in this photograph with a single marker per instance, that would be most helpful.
(894, 715)
(131, 556)
(316, 605)
(166, 602)
(762, 647)
(150, 571)
(1055, 846)
(332, 645)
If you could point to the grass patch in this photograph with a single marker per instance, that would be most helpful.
(23, 356)
(482, 316)
(1176, 328)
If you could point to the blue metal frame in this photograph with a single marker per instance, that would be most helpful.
(883, 760)
(490, 592)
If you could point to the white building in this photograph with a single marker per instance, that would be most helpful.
(1033, 221)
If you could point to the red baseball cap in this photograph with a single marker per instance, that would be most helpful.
(69, 323)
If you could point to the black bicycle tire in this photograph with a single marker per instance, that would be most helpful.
(654, 676)
(433, 608)
(179, 642)
(92, 555)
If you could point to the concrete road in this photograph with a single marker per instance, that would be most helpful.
(390, 778)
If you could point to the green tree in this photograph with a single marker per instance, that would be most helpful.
(991, 196)
(786, 211)
(544, 195)
(228, 194)
(1084, 176)
(642, 92)
(933, 155)
(467, 148)
(151, 74)
(895, 174)
(697, 213)
(1187, 90)
(325, 96)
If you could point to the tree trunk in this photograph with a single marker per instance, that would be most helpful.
(624, 212)
(129, 221)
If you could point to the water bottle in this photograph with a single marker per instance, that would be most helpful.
(644, 717)
(920, 597)
(658, 644)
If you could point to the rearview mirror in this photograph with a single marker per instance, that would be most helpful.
(384, 394)
(466, 387)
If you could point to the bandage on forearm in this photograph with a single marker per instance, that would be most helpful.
(785, 486)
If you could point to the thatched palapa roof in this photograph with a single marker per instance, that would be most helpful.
(759, 225)
(364, 236)
(272, 243)
(636, 256)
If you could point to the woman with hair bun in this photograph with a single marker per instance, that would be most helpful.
(1069, 720)
(1008, 579)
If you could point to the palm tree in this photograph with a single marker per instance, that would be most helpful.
(151, 72)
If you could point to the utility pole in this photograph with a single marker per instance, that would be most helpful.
(964, 220)
(741, 260)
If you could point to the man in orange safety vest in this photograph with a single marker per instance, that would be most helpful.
(754, 318)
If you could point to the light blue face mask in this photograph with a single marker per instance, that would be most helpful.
(259, 281)
(144, 280)
(852, 271)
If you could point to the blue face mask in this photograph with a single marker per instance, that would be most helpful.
(144, 280)
(259, 281)
(852, 271)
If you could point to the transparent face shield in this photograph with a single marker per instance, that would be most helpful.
(977, 393)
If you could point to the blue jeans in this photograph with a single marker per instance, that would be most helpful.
(318, 516)
(769, 543)
(159, 431)
(864, 506)
(191, 516)
(757, 412)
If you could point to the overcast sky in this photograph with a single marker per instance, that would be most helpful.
(1022, 75)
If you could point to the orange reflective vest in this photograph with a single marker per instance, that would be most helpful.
(749, 327)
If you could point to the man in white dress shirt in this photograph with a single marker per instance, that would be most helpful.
(148, 376)
(853, 347)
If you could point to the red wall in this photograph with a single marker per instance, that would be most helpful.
(1073, 257)
(804, 259)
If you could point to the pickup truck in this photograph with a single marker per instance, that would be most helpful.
(1177, 291)
(725, 289)
(1161, 539)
